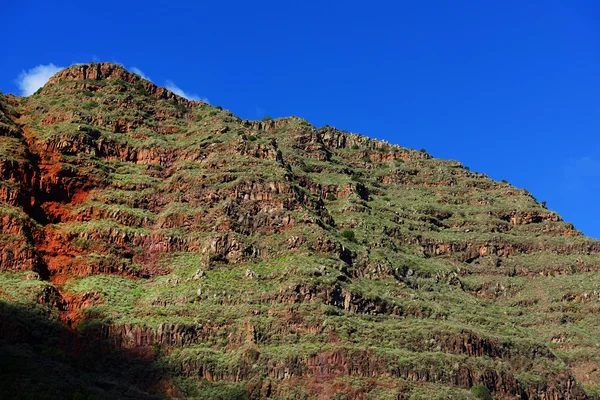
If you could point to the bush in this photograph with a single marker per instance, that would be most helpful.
(349, 235)
(181, 108)
(251, 138)
(331, 197)
(267, 118)
(355, 147)
(307, 168)
(423, 151)
(54, 353)
(140, 89)
(155, 349)
(355, 177)
(481, 392)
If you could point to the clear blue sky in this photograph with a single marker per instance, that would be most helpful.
(510, 88)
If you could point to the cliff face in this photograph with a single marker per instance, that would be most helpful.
(255, 259)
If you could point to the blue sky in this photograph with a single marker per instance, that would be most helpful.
(509, 88)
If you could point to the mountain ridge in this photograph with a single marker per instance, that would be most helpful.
(235, 258)
(106, 71)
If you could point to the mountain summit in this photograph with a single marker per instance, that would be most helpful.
(155, 247)
(87, 74)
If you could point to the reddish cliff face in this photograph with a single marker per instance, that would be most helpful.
(272, 259)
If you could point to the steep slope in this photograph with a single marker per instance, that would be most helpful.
(229, 259)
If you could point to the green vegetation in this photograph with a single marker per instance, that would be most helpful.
(179, 107)
(90, 105)
(140, 90)
(481, 392)
(349, 235)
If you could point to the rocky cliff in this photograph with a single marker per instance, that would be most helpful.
(153, 247)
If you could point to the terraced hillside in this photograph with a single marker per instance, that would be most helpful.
(154, 247)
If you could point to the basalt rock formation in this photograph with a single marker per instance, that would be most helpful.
(156, 247)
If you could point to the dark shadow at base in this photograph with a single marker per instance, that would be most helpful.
(41, 358)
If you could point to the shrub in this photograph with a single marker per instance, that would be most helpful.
(89, 105)
(251, 138)
(349, 235)
(331, 197)
(423, 151)
(155, 349)
(140, 89)
(267, 118)
(481, 392)
(307, 168)
(355, 147)
(355, 177)
(503, 181)
(181, 108)
(54, 353)
(219, 108)
(212, 113)
(366, 159)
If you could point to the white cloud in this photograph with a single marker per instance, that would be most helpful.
(138, 71)
(178, 91)
(30, 81)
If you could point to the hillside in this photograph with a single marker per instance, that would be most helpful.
(154, 247)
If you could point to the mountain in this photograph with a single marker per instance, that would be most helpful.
(155, 247)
